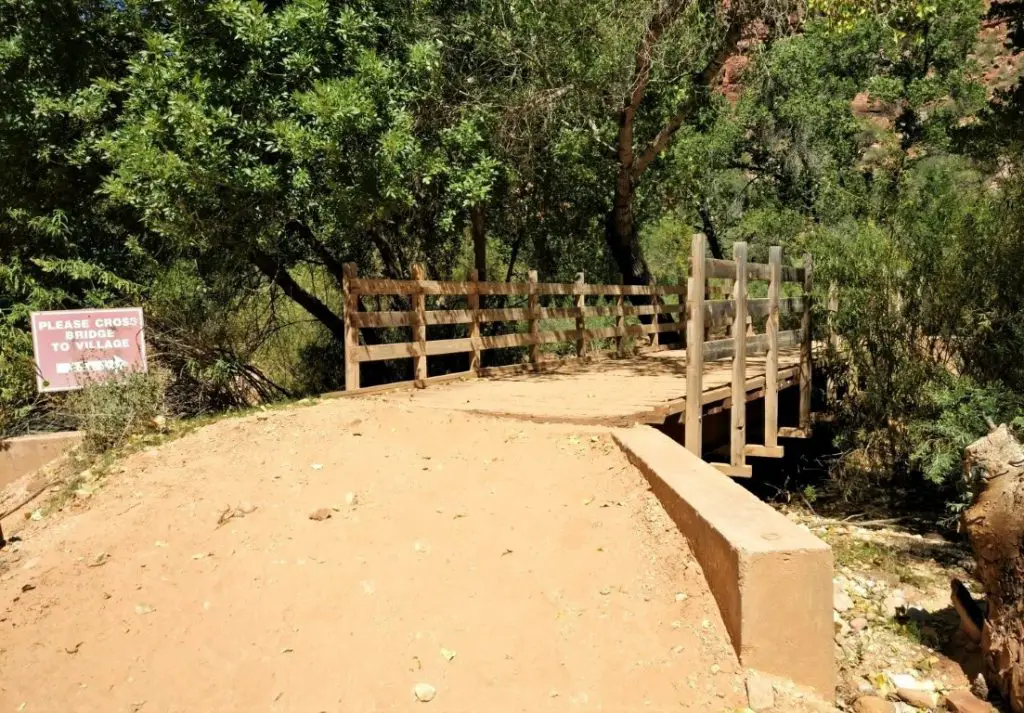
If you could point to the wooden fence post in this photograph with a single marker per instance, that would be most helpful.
(683, 296)
(532, 305)
(581, 322)
(349, 272)
(695, 346)
(738, 412)
(655, 308)
(474, 326)
(805, 348)
(620, 320)
(833, 336)
(419, 330)
(771, 366)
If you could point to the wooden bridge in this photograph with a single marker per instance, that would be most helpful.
(620, 372)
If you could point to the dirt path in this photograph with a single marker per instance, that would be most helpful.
(533, 553)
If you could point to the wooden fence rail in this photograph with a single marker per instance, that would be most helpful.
(690, 312)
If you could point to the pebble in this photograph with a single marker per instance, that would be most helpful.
(351, 498)
(872, 704)
(760, 692)
(919, 699)
(967, 702)
(321, 514)
(841, 601)
(859, 624)
(424, 692)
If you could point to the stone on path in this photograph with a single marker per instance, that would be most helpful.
(424, 692)
(966, 702)
(760, 692)
(872, 704)
(321, 514)
(918, 698)
(841, 601)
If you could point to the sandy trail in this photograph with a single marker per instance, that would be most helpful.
(533, 552)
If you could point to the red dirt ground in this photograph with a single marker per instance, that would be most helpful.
(533, 552)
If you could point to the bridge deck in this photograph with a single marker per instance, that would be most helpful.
(643, 389)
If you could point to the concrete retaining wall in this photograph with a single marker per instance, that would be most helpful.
(772, 580)
(25, 454)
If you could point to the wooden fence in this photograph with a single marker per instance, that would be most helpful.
(699, 317)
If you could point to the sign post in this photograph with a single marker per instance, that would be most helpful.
(75, 348)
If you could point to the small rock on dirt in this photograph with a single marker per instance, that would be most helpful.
(966, 702)
(917, 698)
(872, 704)
(841, 601)
(760, 692)
(351, 499)
(859, 624)
(979, 687)
(424, 692)
(321, 514)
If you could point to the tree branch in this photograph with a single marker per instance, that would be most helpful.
(277, 274)
(703, 82)
(643, 66)
(299, 229)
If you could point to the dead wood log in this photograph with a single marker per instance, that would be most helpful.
(995, 527)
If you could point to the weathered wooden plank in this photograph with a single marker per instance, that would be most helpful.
(378, 286)
(694, 341)
(474, 328)
(510, 314)
(419, 330)
(620, 323)
(533, 303)
(756, 345)
(771, 373)
(726, 270)
(806, 347)
(738, 413)
(758, 451)
(581, 321)
(351, 306)
(414, 350)
(736, 471)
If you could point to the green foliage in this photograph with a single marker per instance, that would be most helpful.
(955, 414)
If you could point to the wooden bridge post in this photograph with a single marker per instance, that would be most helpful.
(655, 308)
(738, 411)
(419, 330)
(581, 322)
(349, 272)
(695, 345)
(805, 348)
(833, 335)
(474, 327)
(620, 320)
(771, 366)
(532, 305)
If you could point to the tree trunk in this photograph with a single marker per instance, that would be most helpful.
(620, 233)
(995, 527)
(709, 230)
(277, 274)
(479, 230)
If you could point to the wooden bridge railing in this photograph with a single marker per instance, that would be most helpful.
(704, 319)
(419, 348)
(734, 312)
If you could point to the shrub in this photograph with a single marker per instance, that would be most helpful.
(112, 412)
